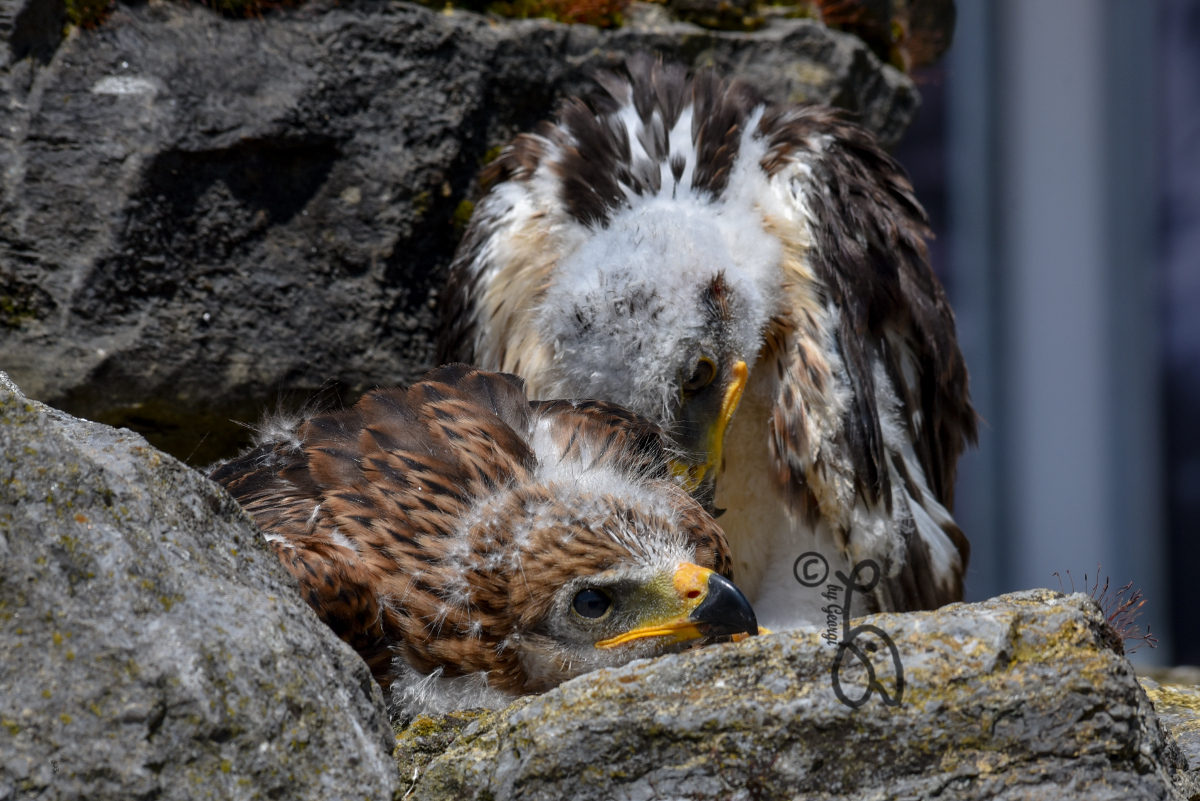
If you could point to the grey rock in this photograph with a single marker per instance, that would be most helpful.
(201, 216)
(1020, 697)
(1178, 708)
(1179, 674)
(153, 647)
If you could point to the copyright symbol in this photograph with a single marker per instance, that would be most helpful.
(810, 569)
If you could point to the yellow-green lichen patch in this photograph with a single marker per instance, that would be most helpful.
(491, 155)
(426, 738)
(462, 215)
(1175, 696)
(169, 601)
(15, 311)
(421, 202)
(423, 726)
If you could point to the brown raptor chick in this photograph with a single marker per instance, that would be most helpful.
(473, 546)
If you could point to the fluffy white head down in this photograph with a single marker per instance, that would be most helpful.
(584, 484)
(625, 306)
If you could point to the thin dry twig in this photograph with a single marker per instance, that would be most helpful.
(1121, 609)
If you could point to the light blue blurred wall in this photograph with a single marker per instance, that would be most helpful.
(1051, 115)
(1179, 167)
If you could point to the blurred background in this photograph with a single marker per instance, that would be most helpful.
(1058, 154)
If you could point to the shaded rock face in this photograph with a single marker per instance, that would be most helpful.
(1015, 698)
(152, 647)
(202, 216)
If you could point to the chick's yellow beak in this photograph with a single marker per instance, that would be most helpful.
(694, 475)
(695, 602)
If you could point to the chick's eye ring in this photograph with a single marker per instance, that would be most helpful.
(702, 375)
(591, 604)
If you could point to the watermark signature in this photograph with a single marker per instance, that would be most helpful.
(811, 570)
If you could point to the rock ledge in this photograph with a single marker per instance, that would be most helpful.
(1015, 698)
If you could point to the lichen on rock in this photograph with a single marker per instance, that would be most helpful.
(1178, 709)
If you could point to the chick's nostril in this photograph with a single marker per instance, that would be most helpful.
(725, 610)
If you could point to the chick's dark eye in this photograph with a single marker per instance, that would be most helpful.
(702, 375)
(591, 604)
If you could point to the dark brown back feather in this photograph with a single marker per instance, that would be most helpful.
(871, 254)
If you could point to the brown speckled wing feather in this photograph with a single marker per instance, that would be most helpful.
(361, 506)
(398, 517)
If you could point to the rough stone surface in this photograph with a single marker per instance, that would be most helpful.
(152, 646)
(1021, 697)
(201, 215)
(1178, 708)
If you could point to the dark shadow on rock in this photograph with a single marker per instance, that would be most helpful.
(200, 434)
(203, 208)
(38, 30)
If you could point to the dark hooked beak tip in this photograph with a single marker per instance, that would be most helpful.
(724, 610)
